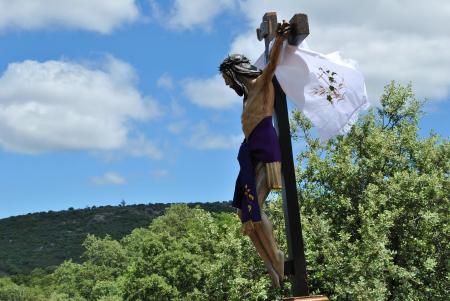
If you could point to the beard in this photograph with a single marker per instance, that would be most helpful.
(238, 89)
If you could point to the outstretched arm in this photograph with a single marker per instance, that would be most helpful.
(274, 55)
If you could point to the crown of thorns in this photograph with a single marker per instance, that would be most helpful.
(233, 60)
(238, 64)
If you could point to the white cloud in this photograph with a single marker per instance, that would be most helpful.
(165, 81)
(159, 173)
(203, 139)
(94, 15)
(211, 93)
(285, 9)
(179, 121)
(383, 56)
(248, 45)
(109, 178)
(391, 40)
(177, 127)
(142, 147)
(187, 14)
(176, 110)
(62, 105)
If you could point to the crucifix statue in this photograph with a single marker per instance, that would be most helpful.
(259, 155)
(327, 89)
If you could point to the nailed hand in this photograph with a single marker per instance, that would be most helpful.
(283, 29)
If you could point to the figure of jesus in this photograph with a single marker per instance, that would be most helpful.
(259, 155)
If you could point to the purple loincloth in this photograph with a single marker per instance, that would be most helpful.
(261, 146)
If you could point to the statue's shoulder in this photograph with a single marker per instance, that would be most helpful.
(259, 81)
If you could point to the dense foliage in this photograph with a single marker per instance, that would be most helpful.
(185, 254)
(375, 206)
(46, 239)
(375, 216)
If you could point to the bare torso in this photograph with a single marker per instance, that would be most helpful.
(258, 105)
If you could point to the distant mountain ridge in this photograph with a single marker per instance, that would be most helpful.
(45, 239)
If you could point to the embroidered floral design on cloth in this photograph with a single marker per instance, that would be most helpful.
(331, 85)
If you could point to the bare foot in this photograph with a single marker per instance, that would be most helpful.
(273, 275)
(279, 265)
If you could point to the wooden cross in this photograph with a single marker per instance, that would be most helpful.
(295, 266)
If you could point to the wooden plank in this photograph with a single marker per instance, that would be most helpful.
(290, 201)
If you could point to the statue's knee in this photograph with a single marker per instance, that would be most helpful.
(266, 221)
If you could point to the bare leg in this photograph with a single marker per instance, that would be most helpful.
(264, 256)
(265, 232)
(278, 259)
(262, 236)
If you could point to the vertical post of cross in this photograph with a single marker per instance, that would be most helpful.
(295, 266)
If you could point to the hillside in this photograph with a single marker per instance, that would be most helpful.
(45, 239)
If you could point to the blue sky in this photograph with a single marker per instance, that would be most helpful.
(121, 100)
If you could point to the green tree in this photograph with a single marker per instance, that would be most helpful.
(68, 280)
(375, 206)
(190, 254)
(185, 254)
(10, 291)
(106, 289)
(375, 215)
(96, 277)
(107, 254)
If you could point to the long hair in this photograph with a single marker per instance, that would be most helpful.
(236, 66)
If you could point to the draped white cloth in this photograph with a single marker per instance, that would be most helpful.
(327, 89)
